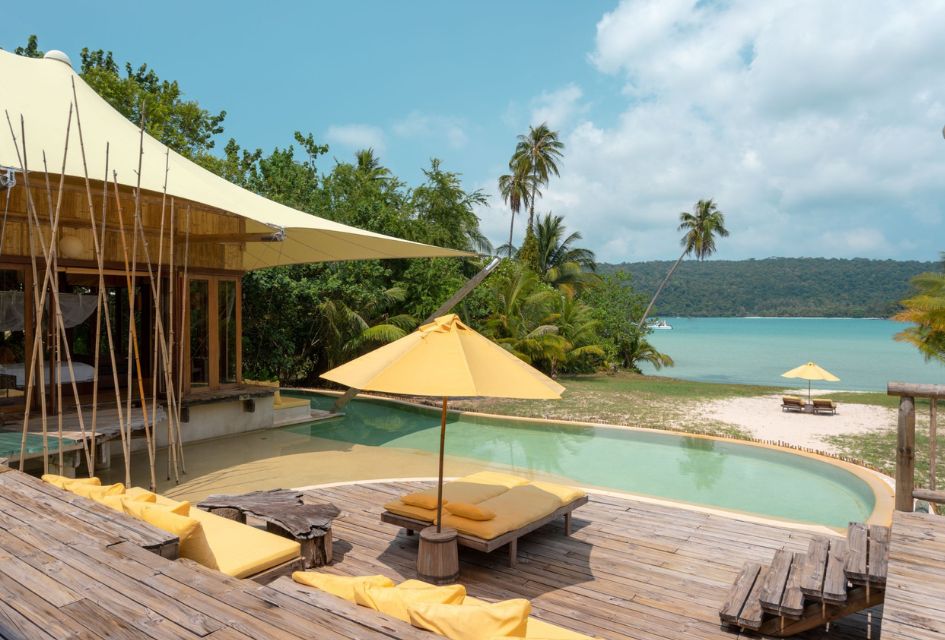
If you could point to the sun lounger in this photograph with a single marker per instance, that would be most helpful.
(519, 507)
(792, 403)
(398, 612)
(235, 549)
(825, 405)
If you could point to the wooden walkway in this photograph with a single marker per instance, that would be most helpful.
(915, 595)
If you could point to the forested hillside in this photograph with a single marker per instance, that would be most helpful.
(777, 286)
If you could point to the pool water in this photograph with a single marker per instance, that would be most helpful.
(704, 471)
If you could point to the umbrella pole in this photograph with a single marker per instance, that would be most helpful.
(439, 485)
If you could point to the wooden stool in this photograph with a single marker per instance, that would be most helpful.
(438, 557)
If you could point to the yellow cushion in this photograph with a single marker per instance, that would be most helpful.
(180, 508)
(473, 621)
(115, 502)
(135, 492)
(62, 481)
(94, 491)
(235, 549)
(422, 500)
(397, 601)
(418, 513)
(506, 480)
(541, 630)
(564, 493)
(514, 509)
(471, 511)
(341, 586)
(182, 527)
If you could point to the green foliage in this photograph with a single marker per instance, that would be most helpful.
(926, 310)
(798, 287)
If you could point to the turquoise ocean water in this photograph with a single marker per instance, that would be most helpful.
(703, 471)
(861, 352)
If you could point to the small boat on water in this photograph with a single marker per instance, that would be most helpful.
(660, 325)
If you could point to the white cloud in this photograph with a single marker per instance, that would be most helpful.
(418, 124)
(815, 126)
(557, 108)
(356, 136)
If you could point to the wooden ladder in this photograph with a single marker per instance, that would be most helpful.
(801, 591)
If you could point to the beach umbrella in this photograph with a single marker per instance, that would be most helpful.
(445, 359)
(810, 371)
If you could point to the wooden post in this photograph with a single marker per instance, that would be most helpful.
(905, 454)
(933, 443)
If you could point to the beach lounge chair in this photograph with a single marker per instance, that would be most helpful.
(825, 405)
(235, 549)
(792, 403)
(446, 611)
(489, 510)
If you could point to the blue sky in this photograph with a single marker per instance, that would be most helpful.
(816, 126)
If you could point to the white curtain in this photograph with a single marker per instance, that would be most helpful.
(76, 308)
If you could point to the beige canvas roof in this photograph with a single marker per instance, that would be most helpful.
(41, 90)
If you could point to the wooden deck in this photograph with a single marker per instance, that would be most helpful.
(70, 568)
(915, 596)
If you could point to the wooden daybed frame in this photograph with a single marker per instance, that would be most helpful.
(510, 538)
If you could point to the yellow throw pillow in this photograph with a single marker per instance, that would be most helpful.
(341, 586)
(180, 526)
(95, 492)
(62, 481)
(182, 508)
(115, 502)
(473, 622)
(396, 601)
(421, 500)
(471, 511)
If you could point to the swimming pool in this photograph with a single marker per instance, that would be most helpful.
(705, 471)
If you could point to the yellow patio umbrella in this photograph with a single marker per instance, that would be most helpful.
(445, 359)
(810, 371)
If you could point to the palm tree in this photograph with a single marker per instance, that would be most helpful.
(926, 310)
(370, 165)
(701, 227)
(517, 189)
(558, 261)
(537, 154)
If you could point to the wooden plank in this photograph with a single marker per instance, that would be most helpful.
(857, 549)
(738, 594)
(773, 589)
(835, 577)
(815, 566)
(878, 554)
(792, 602)
(752, 614)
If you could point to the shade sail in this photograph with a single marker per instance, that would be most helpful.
(445, 359)
(41, 90)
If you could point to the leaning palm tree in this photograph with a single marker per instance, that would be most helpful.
(537, 154)
(701, 227)
(926, 310)
(517, 189)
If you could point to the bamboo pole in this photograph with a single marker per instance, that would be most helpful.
(171, 276)
(55, 359)
(102, 305)
(185, 297)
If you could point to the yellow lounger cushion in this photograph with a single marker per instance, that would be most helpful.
(341, 586)
(422, 500)
(62, 481)
(181, 508)
(564, 493)
(471, 511)
(235, 549)
(115, 502)
(95, 492)
(540, 630)
(417, 513)
(181, 526)
(396, 601)
(506, 480)
(514, 509)
(473, 621)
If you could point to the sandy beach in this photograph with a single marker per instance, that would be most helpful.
(764, 418)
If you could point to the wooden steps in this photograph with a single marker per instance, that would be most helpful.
(801, 591)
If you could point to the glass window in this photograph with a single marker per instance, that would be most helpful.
(226, 310)
(199, 298)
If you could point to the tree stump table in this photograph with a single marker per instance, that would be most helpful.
(284, 514)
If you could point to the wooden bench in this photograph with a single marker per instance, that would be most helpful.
(413, 525)
(801, 591)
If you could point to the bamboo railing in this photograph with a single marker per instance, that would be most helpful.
(906, 492)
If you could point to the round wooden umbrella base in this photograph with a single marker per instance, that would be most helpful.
(438, 557)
